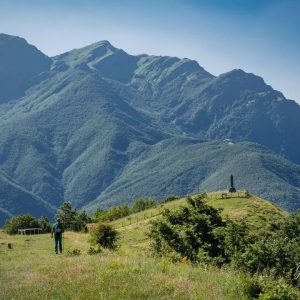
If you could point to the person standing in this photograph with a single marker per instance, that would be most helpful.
(57, 231)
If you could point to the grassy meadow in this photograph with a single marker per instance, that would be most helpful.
(31, 269)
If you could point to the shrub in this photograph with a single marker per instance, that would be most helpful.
(105, 236)
(111, 215)
(22, 221)
(142, 204)
(198, 233)
(279, 291)
(170, 198)
(276, 252)
(188, 230)
(269, 288)
(94, 250)
(73, 252)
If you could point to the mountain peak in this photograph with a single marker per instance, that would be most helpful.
(8, 39)
(19, 62)
(244, 79)
(100, 45)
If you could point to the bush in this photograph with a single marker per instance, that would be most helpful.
(20, 222)
(189, 231)
(198, 233)
(142, 204)
(73, 252)
(276, 252)
(269, 288)
(111, 215)
(105, 236)
(94, 250)
(170, 198)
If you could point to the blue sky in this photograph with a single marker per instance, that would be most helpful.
(258, 36)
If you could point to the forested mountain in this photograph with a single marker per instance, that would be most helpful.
(98, 127)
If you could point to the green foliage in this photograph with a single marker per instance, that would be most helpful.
(279, 291)
(197, 233)
(20, 222)
(45, 224)
(73, 252)
(188, 230)
(80, 221)
(269, 288)
(277, 252)
(88, 122)
(94, 250)
(122, 211)
(170, 198)
(142, 204)
(71, 218)
(67, 215)
(115, 213)
(105, 236)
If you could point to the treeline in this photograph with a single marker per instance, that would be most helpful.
(121, 211)
(71, 218)
(76, 221)
(26, 221)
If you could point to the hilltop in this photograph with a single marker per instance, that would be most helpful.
(99, 127)
(258, 213)
(131, 272)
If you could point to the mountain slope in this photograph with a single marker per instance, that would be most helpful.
(184, 166)
(97, 126)
(19, 63)
(234, 105)
(16, 200)
(73, 137)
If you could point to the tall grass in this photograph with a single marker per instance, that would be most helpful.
(31, 270)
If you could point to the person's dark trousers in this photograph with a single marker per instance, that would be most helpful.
(58, 243)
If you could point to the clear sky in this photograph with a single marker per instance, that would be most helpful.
(258, 36)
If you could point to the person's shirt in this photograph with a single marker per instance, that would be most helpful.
(57, 228)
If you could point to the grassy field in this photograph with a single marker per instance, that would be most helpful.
(31, 270)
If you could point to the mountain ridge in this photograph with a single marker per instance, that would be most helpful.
(96, 122)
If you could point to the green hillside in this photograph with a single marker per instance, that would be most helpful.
(78, 129)
(259, 214)
(10, 204)
(30, 270)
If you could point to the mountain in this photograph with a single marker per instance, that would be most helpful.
(16, 200)
(183, 166)
(19, 64)
(97, 126)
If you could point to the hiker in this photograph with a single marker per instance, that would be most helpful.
(57, 230)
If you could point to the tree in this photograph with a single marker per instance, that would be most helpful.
(142, 204)
(105, 236)
(188, 230)
(80, 221)
(20, 222)
(112, 214)
(67, 215)
(45, 224)
(72, 219)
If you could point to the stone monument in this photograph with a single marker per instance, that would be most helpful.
(232, 188)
